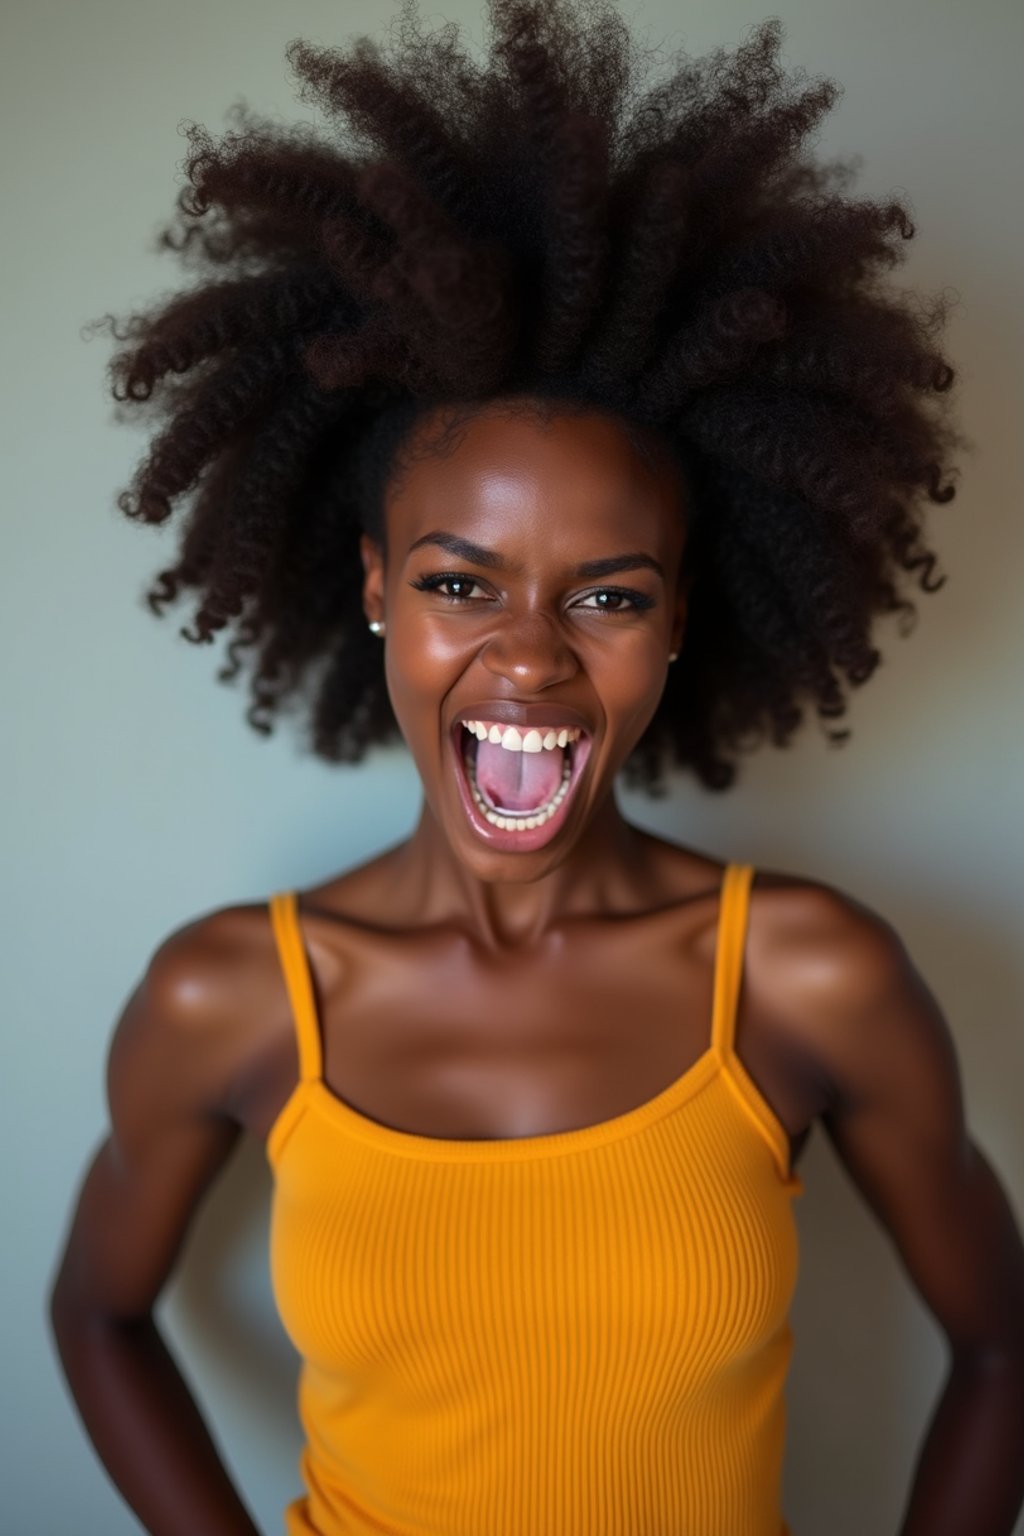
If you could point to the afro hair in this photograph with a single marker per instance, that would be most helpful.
(558, 225)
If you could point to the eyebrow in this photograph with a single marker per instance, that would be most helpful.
(476, 554)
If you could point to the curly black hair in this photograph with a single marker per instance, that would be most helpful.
(557, 225)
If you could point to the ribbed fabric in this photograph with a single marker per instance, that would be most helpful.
(576, 1334)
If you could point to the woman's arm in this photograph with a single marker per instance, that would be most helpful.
(171, 1064)
(897, 1124)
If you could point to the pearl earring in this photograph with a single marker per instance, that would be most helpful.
(673, 655)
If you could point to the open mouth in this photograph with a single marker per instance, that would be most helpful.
(519, 800)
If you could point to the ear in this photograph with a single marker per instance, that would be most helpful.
(373, 577)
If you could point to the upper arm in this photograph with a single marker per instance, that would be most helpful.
(172, 1060)
(897, 1123)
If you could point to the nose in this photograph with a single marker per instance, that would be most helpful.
(531, 652)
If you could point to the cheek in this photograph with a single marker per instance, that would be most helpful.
(427, 644)
(420, 670)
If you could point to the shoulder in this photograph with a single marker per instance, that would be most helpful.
(826, 934)
(838, 975)
(195, 966)
(204, 1009)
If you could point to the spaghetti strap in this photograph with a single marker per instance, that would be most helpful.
(295, 965)
(729, 945)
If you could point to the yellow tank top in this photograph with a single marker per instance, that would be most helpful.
(558, 1335)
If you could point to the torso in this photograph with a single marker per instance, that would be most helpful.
(425, 1034)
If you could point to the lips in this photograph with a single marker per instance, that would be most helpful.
(532, 838)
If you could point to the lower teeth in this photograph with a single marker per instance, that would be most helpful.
(518, 821)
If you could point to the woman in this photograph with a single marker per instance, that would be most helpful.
(603, 389)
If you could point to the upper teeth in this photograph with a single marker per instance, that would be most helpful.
(534, 741)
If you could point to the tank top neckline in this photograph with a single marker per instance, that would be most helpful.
(718, 1058)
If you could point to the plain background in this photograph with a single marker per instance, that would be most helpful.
(136, 797)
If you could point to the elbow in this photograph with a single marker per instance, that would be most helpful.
(72, 1314)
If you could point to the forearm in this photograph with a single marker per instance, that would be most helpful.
(146, 1427)
(969, 1475)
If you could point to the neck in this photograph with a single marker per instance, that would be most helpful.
(602, 872)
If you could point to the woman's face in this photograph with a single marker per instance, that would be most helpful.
(491, 617)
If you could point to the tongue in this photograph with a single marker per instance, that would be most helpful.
(518, 781)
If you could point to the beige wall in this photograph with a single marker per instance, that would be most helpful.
(135, 796)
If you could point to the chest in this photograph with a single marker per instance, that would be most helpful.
(448, 1047)
(427, 1038)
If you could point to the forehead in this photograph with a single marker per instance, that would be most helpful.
(509, 472)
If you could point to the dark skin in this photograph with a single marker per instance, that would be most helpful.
(591, 957)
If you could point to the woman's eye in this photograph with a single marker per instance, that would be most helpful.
(435, 583)
(635, 600)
